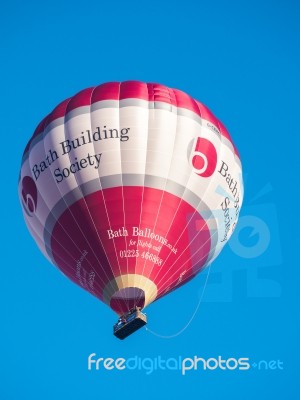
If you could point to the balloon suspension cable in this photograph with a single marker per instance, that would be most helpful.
(191, 318)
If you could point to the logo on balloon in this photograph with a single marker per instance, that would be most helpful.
(204, 157)
(29, 195)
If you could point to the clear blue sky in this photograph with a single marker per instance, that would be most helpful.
(240, 58)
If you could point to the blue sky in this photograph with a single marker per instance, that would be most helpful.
(241, 59)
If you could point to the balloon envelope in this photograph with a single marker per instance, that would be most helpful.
(130, 189)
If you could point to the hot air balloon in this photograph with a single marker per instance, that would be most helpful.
(131, 189)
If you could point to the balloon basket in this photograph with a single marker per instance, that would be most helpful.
(129, 323)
